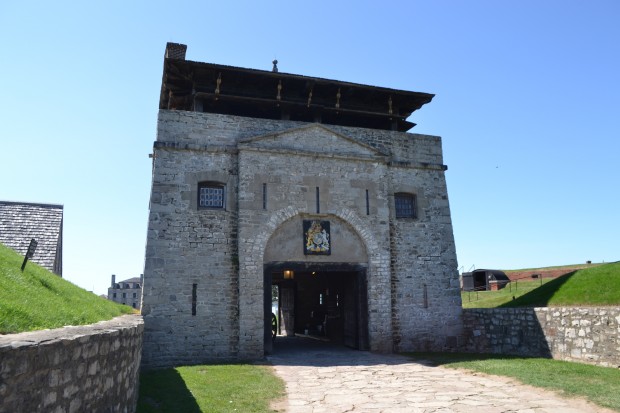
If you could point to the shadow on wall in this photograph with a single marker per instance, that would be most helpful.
(540, 296)
(516, 331)
(165, 391)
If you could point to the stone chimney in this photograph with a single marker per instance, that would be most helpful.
(175, 51)
(141, 279)
(113, 280)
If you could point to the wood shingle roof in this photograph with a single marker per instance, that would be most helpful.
(22, 221)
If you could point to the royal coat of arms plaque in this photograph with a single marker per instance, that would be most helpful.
(316, 237)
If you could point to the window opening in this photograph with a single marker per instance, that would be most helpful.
(264, 196)
(210, 195)
(405, 205)
(367, 204)
(318, 204)
(194, 288)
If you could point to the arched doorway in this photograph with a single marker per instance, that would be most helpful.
(324, 297)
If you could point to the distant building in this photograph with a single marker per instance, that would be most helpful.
(22, 221)
(128, 292)
(484, 280)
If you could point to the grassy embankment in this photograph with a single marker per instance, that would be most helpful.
(36, 299)
(595, 286)
(600, 385)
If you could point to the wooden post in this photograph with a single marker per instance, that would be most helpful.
(31, 248)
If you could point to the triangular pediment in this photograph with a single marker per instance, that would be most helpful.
(315, 139)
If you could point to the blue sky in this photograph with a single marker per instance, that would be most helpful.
(527, 104)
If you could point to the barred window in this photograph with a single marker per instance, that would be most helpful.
(405, 205)
(210, 195)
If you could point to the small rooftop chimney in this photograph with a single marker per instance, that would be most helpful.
(175, 51)
(113, 280)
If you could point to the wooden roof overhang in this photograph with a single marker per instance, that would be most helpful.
(207, 87)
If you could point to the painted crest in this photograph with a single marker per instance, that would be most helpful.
(316, 238)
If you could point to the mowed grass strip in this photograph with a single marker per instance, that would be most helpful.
(210, 388)
(37, 299)
(600, 385)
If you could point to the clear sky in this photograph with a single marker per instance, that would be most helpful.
(527, 104)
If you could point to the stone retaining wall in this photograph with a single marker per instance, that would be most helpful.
(72, 369)
(588, 335)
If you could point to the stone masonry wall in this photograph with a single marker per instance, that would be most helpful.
(188, 247)
(588, 335)
(221, 251)
(425, 280)
(72, 369)
(292, 176)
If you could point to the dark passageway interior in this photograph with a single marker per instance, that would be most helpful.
(325, 304)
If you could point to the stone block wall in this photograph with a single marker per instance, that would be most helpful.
(589, 335)
(221, 252)
(293, 164)
(72, 369)
(191, 255)
(426, 293)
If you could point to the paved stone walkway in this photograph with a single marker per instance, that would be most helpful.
(326, 379)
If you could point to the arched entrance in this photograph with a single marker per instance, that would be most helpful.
(324, 297)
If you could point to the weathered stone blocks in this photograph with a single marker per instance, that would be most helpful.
(413, 294)
(65, 369)
(589, 335)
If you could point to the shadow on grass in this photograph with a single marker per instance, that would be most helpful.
(540, 296)
(165, 391)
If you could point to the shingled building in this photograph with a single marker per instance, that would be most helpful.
(265, 180)
(22, 221)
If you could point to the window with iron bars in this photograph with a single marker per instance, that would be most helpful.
(405, 205)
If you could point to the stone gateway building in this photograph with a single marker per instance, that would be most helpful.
(265, 180)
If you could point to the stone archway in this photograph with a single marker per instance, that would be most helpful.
(253, 241)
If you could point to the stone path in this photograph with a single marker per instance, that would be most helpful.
(326, 379)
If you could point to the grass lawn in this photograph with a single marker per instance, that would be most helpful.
(242, 388)
(37, 299)
(600, 385)
(592, 286)
(597, 286)
(555, 267)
